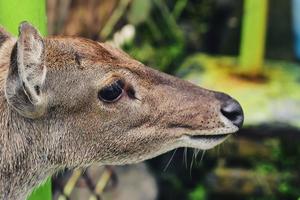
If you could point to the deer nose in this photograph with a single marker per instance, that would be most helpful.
(231, 109)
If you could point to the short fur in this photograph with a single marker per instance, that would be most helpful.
(52, 118)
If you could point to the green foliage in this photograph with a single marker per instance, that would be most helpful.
(199, 193)
(139, 11)
(161, 38)
(265, 168)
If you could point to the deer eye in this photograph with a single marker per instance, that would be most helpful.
(112, 92)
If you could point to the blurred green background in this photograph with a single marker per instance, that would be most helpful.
(244, 50)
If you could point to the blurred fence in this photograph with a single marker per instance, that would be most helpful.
(133, 182)
(95, 182)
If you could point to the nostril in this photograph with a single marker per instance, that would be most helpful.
(232, 116)
(233, 111)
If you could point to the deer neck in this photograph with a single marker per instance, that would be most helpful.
(22, 165)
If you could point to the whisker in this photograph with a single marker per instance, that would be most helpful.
(170, 160)
(194, 159)
(191, 166)
(196, 155)
(185, 156)
(202, 156)
(197, 152)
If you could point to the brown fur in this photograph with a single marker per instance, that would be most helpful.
(66, 125)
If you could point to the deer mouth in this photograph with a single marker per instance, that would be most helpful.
(208, 137)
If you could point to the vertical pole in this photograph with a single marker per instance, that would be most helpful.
(296, 26)
(252, 49)
(12, 12)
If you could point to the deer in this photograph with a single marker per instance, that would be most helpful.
(70, 102)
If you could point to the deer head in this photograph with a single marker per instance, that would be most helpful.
(91, 103)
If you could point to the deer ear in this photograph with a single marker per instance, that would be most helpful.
(4, 35)
(27, 73)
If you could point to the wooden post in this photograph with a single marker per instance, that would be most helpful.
(252, 47)
(12, 12)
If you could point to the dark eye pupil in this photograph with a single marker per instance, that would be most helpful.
(112, 92)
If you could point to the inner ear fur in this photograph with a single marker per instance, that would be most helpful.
(27, 73)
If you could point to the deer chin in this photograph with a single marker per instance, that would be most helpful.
(207, 140)
(203, 142)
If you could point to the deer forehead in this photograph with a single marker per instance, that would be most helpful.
(66, 51)
(78, 54)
